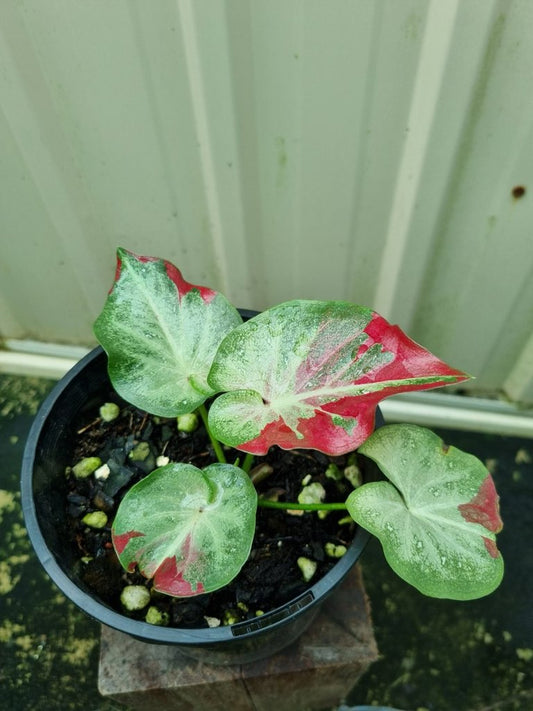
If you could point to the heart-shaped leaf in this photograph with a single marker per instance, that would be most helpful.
(436, 517)
(161, 334)
(310, 374)
(189, 529)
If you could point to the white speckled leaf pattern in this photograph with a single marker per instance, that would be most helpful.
(436, 517)
(190, 530)
(161, 334)
(310, 374)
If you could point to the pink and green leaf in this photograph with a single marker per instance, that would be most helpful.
(190, 530)
(161, 335)
(310, 374)
(437, 515)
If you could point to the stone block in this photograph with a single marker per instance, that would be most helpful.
(316, 672)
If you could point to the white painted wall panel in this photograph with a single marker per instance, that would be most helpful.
(354, 149)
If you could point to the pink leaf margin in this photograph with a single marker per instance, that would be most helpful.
(320, 432)
(173, 273)
(168, 577)
(484, 509)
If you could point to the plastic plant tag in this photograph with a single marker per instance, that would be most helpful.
(311, 373)
(161, 334)
(436, 517)
(190, 530)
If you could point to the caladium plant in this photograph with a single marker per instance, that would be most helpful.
(304, 374)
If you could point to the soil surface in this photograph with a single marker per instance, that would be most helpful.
(271, 576)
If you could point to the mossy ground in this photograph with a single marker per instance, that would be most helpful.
(436, 655)
(48, 648)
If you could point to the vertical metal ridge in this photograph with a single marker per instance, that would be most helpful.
(518, 384)
(9, 324)
(36, 131)
(189, 33)
(355, 236)
(244, 163)
(298, 199)
(481, 242)
(432, 62)
(146, 67)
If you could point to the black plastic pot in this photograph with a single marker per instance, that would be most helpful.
(43, 487)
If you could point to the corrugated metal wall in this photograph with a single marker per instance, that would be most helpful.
(373, 150)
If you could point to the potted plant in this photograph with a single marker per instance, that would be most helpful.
(304, 375)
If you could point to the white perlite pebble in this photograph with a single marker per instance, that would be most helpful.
(188, 422)
(102, 472)
(134, 597)
(307, 568)
(212, 621)
(109, 411)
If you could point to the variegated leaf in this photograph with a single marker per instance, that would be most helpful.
(161, 334)
(437, 516)
(311, 373)
(190, 530)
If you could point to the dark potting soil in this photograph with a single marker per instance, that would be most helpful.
(271, 576)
